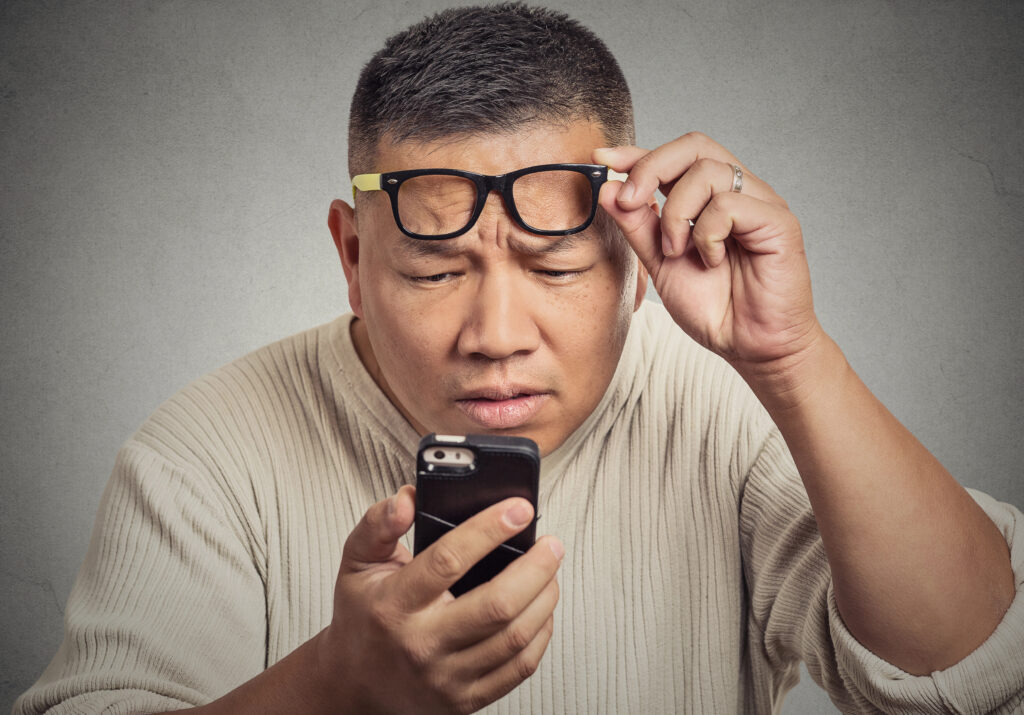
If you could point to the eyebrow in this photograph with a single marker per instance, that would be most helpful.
(421, 248)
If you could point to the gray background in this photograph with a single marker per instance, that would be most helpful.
(167, 168)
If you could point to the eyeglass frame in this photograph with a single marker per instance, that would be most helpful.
(390, 182)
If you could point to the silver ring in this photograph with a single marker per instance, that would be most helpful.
(737, 178)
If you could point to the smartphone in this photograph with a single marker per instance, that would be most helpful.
(460, 475)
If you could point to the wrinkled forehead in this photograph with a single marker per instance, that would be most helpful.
(523, 245)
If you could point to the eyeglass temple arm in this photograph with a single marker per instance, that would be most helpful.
(365, 182)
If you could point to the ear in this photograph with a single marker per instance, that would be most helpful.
(341, 219)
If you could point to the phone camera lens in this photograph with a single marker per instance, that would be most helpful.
(439, 454)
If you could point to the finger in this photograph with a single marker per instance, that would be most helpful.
(445, 561)
(623, 159)
(509, 675)
(619, 158)
(375, 538)
(505, 644)
(640, 226)
(664, 165)
(691, 193)
(493, 606)
(758, 227)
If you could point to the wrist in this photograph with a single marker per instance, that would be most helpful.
(785, 385)
(332, 691)
(295, 684)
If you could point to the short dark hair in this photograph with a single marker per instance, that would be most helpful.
(487, 69)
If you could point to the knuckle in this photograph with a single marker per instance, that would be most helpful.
(517, 638)
(705, 244)
(671, 212)
(419, 653)
(445, 561)
(526, 665)
(796, 236)
(700, 138)
(674, 225)
(380, 615)
(373, 519)
(706, 166)
(353, 541)
(367, 530)
(644, 160)
(719, 202)
(470, 702)
(500, 610)
(642, 166)
(641, 223)
(703, 240)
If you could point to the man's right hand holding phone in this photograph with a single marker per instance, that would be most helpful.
(400, 642)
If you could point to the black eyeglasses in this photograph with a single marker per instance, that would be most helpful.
(549, 200)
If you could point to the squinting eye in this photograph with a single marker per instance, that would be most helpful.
(436, 278)
(561, 276)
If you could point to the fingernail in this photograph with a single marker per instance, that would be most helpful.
(392, 505)
(556, 548)
(519, 514)
(627, 191)
(666, 245)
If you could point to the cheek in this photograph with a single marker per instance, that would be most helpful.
(602, 299)
(588, 325)
(405, 325)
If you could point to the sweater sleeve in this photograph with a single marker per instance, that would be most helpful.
(168, 610)
(794, 617)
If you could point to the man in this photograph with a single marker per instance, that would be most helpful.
(685, 570)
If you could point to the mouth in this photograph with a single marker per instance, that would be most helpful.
(502, 407)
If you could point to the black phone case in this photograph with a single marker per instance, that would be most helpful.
(445, 497)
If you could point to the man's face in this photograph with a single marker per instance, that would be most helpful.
(488, 333)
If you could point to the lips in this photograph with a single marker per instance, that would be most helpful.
(502, 406)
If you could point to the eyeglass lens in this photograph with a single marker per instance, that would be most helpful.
(552, 200)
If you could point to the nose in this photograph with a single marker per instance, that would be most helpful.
(500, 323)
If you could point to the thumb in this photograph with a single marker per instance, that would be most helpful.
(620, 158)
(641, 227)
(375, 538)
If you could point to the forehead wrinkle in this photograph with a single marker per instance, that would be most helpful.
(421, 248)
(447, 247)
(549, 247)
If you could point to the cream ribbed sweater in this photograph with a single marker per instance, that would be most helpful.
(694, 579)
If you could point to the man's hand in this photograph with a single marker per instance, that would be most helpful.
(737, 281)
(400, 642)
(900, 534)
